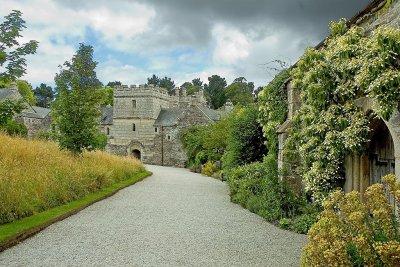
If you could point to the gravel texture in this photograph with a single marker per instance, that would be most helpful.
(173, 218)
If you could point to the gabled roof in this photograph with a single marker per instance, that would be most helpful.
(212, 114)
(169, 117)
(8, 94)
(36, 112)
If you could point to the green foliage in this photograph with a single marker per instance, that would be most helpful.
(245, 140)
(44, 95)
(329, 125)
(8, 109)
(257, 187)
(214, 91)
(351, 232)
(205, 143)
(209, 168)
(240, 92)
(302, 223)
(108, 95)
(76, 109)
(14, 128)
(25, 89)
(114, 83)
(165, 82)
(273, 109)
(193, 87)
(11, 52)
(285, 223)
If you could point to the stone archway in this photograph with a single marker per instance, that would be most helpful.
(380, 151)
(363, 170)
(137, 154)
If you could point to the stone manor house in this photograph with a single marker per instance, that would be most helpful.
(383, 150)
(35, 118)
(145, 122)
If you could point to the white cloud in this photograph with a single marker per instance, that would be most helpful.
(232, 45)
(113, 70)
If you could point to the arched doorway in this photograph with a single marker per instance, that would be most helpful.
(137, 154)
(381, 151)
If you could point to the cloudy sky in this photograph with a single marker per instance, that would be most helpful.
(182, 39)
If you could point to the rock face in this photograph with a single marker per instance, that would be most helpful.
(145, 122)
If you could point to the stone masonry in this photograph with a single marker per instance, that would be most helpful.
(145, 122)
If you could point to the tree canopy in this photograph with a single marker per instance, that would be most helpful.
(12, 53)
(76, 109)
(44, 95)
(214, 91)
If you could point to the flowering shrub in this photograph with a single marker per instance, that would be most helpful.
(350, 232)
(209, 168)
(329, 125)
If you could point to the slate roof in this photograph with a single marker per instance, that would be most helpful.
(37, 112)
(169, 117)
(7, 93)
(212, 114)
(107, 115)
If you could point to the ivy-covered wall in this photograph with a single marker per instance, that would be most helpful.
(331, 123)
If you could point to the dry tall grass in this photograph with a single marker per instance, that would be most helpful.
(36, 175)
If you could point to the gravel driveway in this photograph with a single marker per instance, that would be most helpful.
(173, 218)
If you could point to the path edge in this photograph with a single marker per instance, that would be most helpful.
(21, 236)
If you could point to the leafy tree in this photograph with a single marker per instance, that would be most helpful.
(197, 82)
(240, 91)
(215, 91)
(108, 95)
(154, 80)
(167, 83)
(245, 142)
(113, 84)
(25, 89)
(12, 61)
(193, 87)
(44, 95)
(8, 109)
(76, 108)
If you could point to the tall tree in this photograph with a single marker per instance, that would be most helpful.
(154, 80)
(165, 82)
(197, 82)
(240, 91)
(215, 91)
(168, 84)
(44, 95)
(25, 89)
(12, 61)
(114, 83)
(76, 109)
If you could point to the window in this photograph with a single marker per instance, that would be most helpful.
(108, 131)
(169, 137)
(156, 130)
(133, 127)
(134, 104)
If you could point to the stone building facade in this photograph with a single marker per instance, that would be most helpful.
(145, 122)
(35, 118)
(383, 150)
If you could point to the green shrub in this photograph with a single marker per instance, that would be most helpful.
(351, 232)
(14, 128)
(285, 223)
(209, 168)
(302, 223)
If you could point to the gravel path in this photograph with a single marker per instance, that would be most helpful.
(173, 218)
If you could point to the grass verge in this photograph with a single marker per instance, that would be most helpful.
(17, 231)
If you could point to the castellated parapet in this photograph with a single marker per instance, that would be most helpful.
(145, 122)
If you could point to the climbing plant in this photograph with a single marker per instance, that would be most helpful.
(329, 125)
(273, 107)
